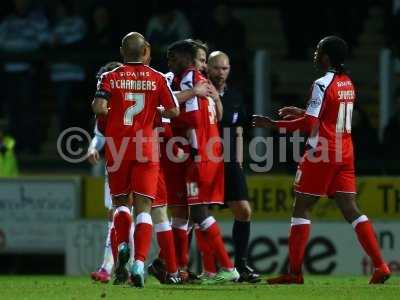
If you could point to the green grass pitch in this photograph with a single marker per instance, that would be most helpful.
(81, 288)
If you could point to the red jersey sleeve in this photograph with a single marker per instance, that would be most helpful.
(305, 124)
(167, 98)
(103, 87)
(190, 116)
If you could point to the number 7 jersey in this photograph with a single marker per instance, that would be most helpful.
(134, 91)
(332, 101)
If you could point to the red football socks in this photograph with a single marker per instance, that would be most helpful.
(367, 238)
(207, 254)
(165, 241)
(122, 224)
(213, 236)
(143, 236)
(298, 239)
(179, 231)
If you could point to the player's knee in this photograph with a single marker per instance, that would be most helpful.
(243, 213)
(199, 213)
(122, 200)
(159, 214)
(350, 214)
(179, 212)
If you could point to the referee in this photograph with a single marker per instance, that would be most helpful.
(236, 197)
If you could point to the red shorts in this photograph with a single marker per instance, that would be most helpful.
(205, 183)
(324, 178)
(161, 196)
(175, 181)
(135, 177)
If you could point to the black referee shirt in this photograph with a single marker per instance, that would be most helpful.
(234, 116)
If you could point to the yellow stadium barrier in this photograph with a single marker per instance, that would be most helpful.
(272, 199)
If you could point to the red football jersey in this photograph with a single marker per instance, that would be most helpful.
(198, 114)
(332, 100)
(134, 91)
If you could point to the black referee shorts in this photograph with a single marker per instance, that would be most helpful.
(235, 183)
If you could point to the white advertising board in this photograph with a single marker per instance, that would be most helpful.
(333, 248)
(34, 213)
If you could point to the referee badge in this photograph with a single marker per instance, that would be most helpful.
(235, 117)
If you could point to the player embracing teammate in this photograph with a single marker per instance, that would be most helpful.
(202, 173)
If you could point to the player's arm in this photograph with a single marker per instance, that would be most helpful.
(96, 145)
(201, 89)
(291, 112)
(99, 106)
(219, 109)
(305, 124)
(239, 145)
(102, 95)
(170, 113)
(168, 101)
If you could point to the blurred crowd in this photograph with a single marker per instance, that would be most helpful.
(50, 52)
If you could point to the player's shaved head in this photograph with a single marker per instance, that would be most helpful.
(134, 47)
(217, 56)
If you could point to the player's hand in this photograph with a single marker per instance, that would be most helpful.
(213, 92)
(93, 156)
(202, 89)
(262, 122)
(160, 109)
(291, 112)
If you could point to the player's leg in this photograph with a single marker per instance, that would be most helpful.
(300, 228)
(144, 185)
(343, 188)
(209, 227)
(120, 187)
(236, 195)
(122, 222)
(176, 189)
(179, 224)
(165, 241)
(365, 234)
(103, 274)
(241, 211)
(207, 255)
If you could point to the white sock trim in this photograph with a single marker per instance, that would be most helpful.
(162, 227)
(144, 217)
(299, 221)
(139, 263)
(207, 223)
(131, 241)
(360, 219)
(122, 209)
(179, 223)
